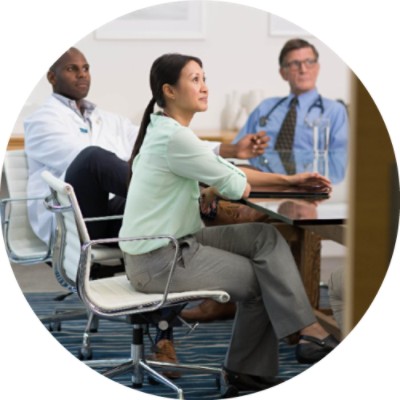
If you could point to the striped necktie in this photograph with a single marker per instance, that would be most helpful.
(284, 141)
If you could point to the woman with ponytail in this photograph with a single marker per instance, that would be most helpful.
(251, 261)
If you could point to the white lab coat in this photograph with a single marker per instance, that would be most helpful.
(54, 135)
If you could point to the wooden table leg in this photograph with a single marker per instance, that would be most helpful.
(307, 254)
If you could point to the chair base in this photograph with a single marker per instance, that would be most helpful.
(141, 366)
(137, 365)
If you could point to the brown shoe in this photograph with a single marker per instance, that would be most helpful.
(165, 352)
(209, 310)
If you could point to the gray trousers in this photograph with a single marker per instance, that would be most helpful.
(253, 263)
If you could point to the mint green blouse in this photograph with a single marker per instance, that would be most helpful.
(163, 196)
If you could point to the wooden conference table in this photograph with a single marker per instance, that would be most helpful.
(305, 218)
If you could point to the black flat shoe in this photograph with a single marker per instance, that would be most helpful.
(232, 382)
(315, 350)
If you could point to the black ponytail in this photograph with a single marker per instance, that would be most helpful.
(141, 134)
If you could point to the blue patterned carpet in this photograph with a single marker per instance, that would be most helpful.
(205, 346)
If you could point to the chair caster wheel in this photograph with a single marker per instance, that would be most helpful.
(55, 326)
(85, 354)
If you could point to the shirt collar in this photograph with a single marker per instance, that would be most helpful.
(87, 105)
(305, 98)
(159, 118)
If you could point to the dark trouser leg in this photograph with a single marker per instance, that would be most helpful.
(94, 174)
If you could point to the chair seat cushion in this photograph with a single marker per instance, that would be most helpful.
(111, 295)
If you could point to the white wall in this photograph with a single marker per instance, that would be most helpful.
(238, 54)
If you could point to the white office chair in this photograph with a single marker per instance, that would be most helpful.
(21, 243)
(114, 296)
(25, 248)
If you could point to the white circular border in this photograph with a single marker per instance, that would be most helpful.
(364, 34)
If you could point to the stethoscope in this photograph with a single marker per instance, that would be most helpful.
(318, 103)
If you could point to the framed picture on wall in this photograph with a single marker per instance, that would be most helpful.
(181, 20)
(281, 27)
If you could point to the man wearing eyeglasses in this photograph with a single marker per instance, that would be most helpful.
(299, 66)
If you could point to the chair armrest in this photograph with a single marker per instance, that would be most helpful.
(5, 213)
(84, 267)
(106, 218)
(21, 256)
(10, 199)
(7, 200)
(55, 208)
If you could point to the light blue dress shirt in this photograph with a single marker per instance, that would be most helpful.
(267, 118)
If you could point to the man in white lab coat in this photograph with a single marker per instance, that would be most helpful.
(65, 125)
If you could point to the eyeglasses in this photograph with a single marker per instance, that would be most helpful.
(296, 64)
